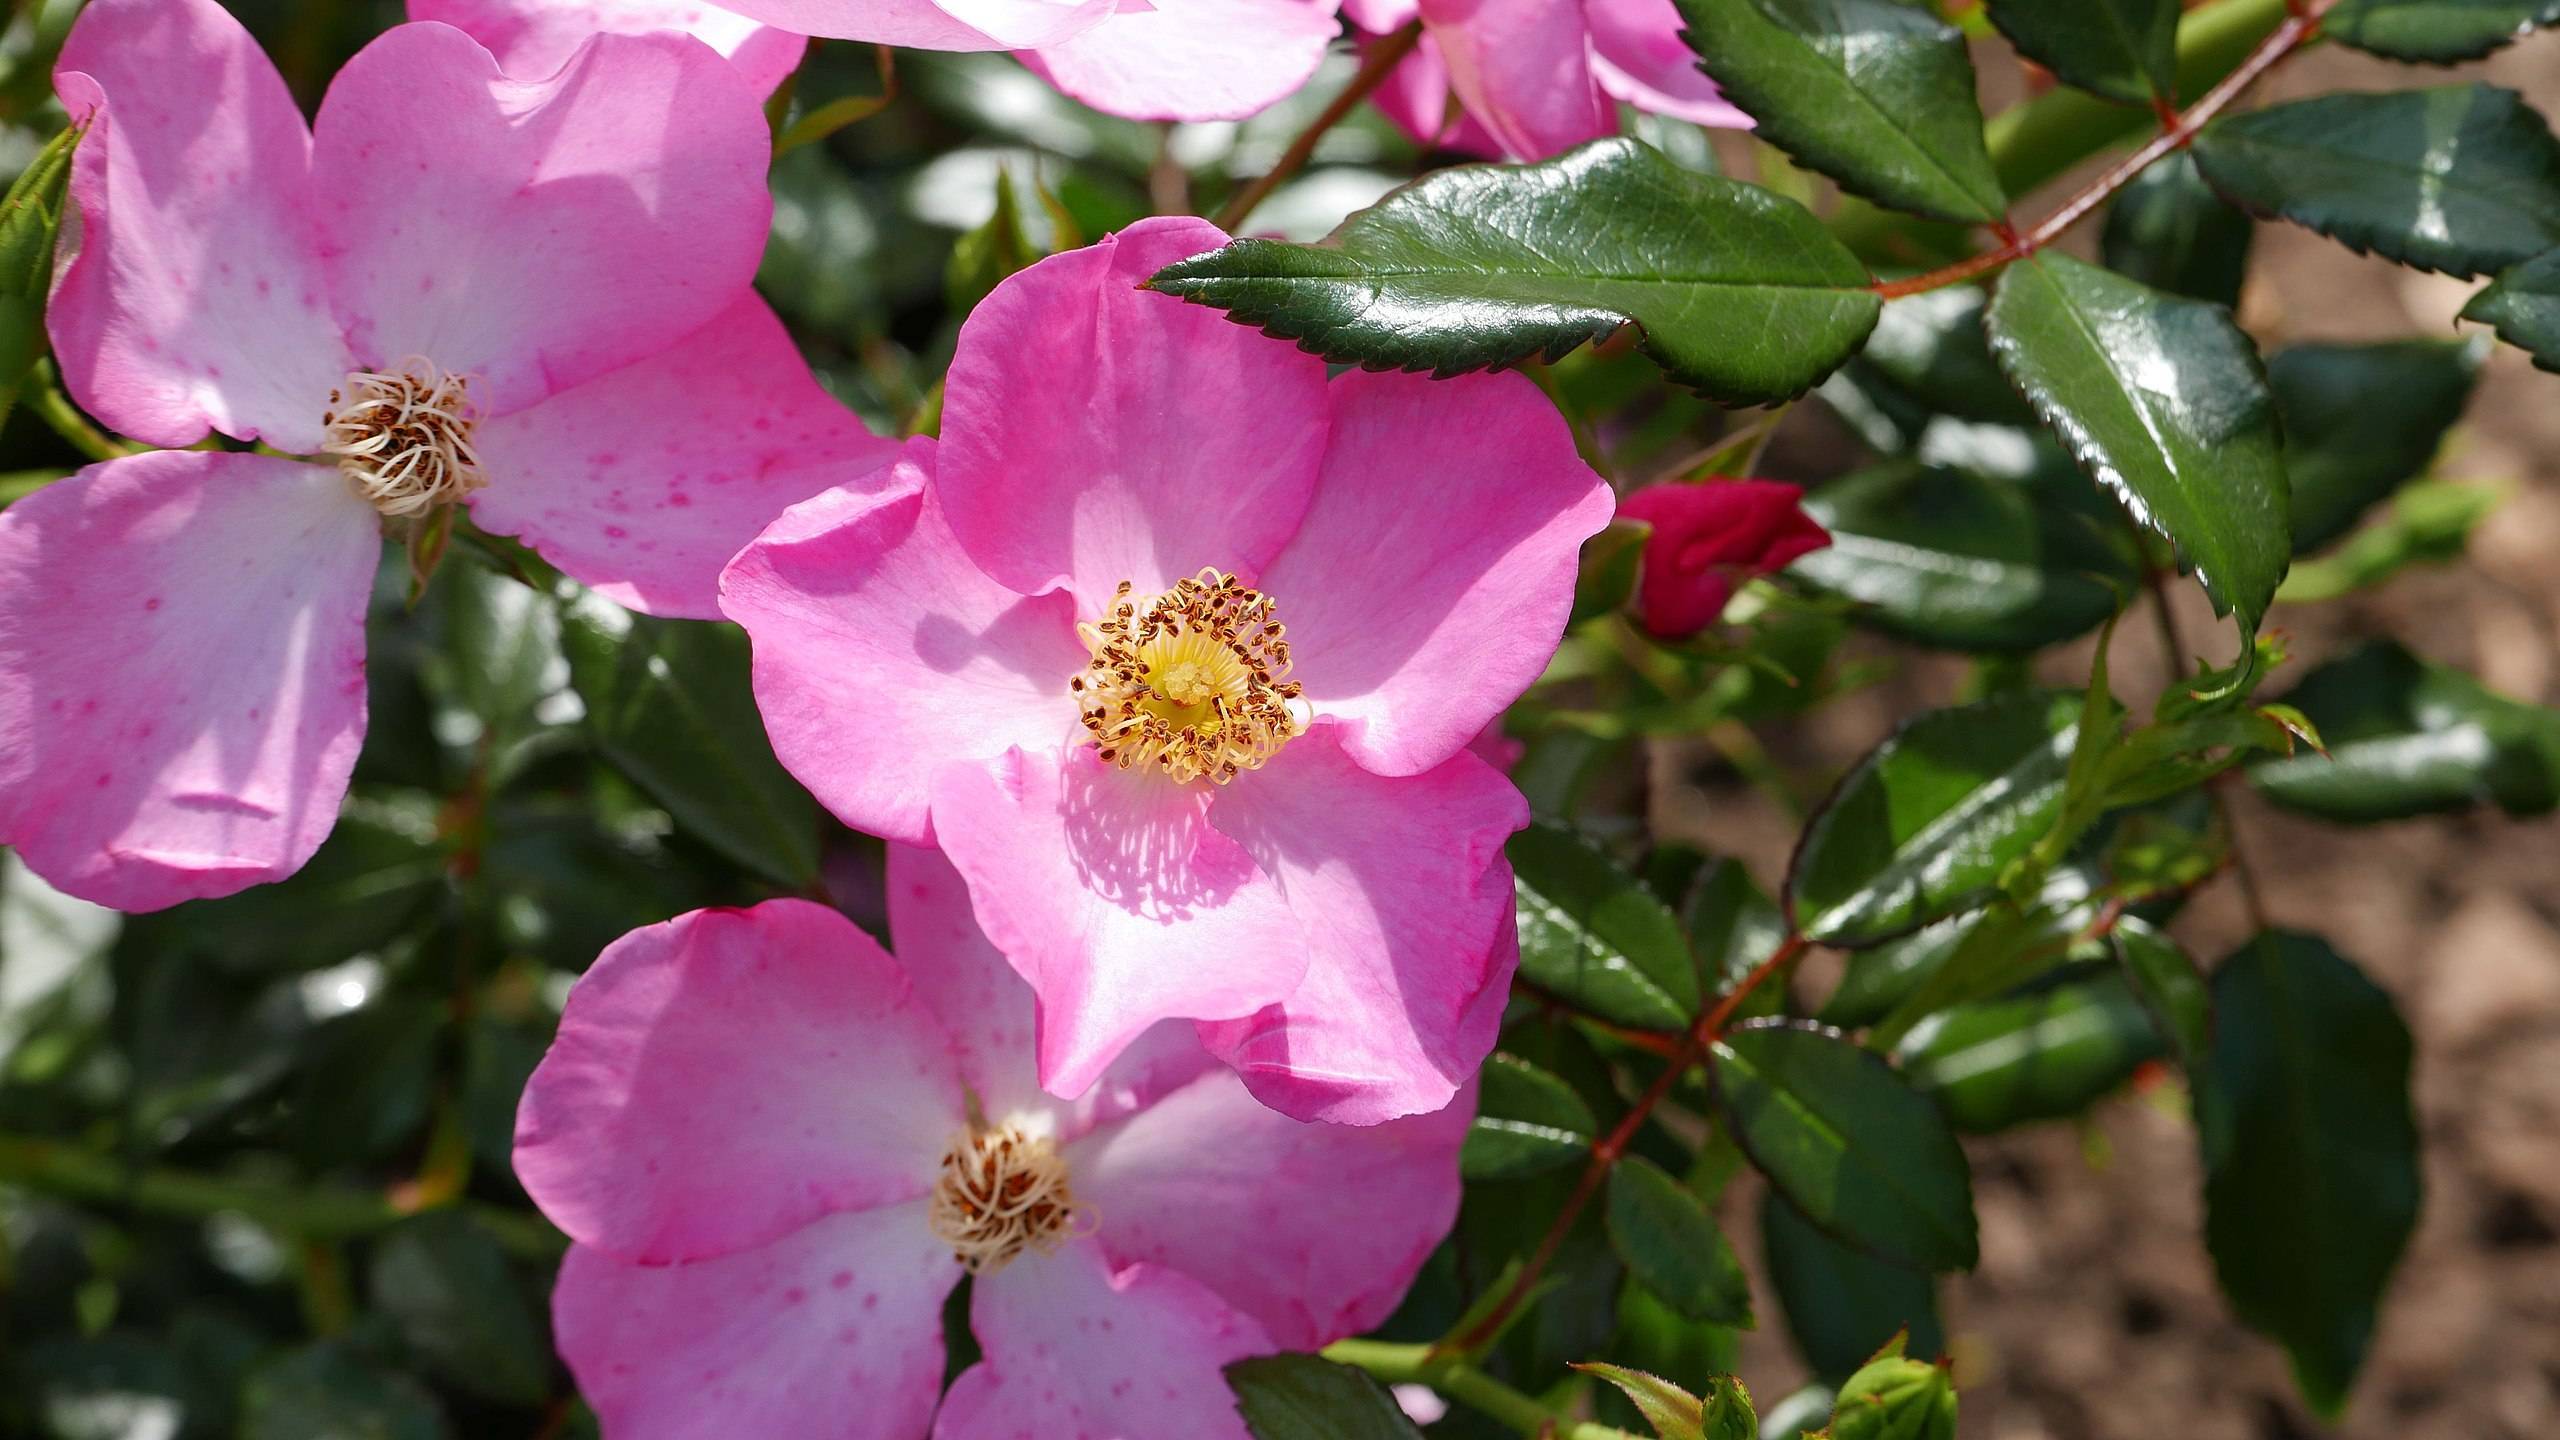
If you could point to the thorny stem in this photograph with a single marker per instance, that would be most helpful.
(1604, 1154)
(1374, 68)
(1392, 1364)
(1658, 1042)
(2252, 899)
(2301, 22)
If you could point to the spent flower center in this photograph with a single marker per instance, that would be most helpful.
(1191, 682)
(402, 437)
(1001, 1192)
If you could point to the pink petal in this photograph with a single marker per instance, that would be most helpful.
(1406, 900)
(1523, 70)
(933, 24)
(727, 1077)
(1313, 1230)
(881, 652)
(181, 672)
(1112, 894)
(534, 234)
(1378, 17)
(644, 482)
(533, 38)
(1192, 59)
(1075, 1352)
(1416, 98)
(1639, 57)
(194, 300)
(834, 1331)
(1096, 433)
(1429, 583)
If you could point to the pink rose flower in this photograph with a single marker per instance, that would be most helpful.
(1708, 539)
(529, 296)
(533, 38)
(1534, 78)
(777, 1149)
(1177, 647)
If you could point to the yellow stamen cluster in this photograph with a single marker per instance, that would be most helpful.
(1001, 1192)
(402, 437)
(1193, 682)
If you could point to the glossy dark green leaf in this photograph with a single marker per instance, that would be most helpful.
(668, 704)
(2523, 306)
(2123, 49)
(1741, 293)
(2169, 230)
(2310, 1151)
(2436, 32)
(1931, 347)
(2037, 1056)
(30, 218)
(2408, 737)
(1876, 95)
(326, 1390)
(1304, 1397)
(1841, 1304)
(1723, 1413)
(2009, 945)
(444, 1284)
(501, 653)
(1526, 1121)
(1732, 926)
(366, 1081)
(2360, 420)
(1849, 1142)
(1657, 1340)
(2165, 980)
(1894, 1397)
(377, 872)
(1923, 826)
(1950, 558)
(2463, 178)
(2165, 402)
(1593, 934)
(1671, 1246)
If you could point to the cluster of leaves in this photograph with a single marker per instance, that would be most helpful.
(253, 1152)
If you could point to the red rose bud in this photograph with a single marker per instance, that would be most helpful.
(1708, 539)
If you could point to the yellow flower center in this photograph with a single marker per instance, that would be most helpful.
(1192, 682)
(1001, 1192)
(402, 437)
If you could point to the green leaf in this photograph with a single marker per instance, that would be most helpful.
(2463, 178)
(501, 653)
(1893, 1397)
(1526, 1121)
(2164, 978)
(668, 704)
(2360, 420)
(1841, 1304)
(1930, 346)
(1732, 929)
(1304, 1397)
(2436, 32)
(2010, 946)
(1876, 95)
(380, 868)
(2406, 737)
(1741, 293)
(2310, 1152)
(1671, 1245)
(2426, 522)
(325, 1392)
(2164, 401)
(1593, 934)
(443, 1282)
(2171, 232)
(30, 218)
(366, 1081)
(2037, 1056)
(1606, 576)
(2123, 49)
(1950, 558)
(1652, 1338)
(1724, 1414)
(1849, 1142)
(1922, 827)
(2523, 306)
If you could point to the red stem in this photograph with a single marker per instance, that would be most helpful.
(2178, 131)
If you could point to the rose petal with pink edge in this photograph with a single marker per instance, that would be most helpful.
(833, 1330)
(535, 234)
(1430, 581)
(933, 24)
(1314, 1230)
(728, 1076)
(882, 653)
(194, 297)
(181, 672)
(1096, 433)
(1639, 57)
(1116, 898)
(1077, 1352)
(991, 1017)
(645, 481)
(1192, 59)
(1406, 900)
(1523, 70)
(534, 38)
